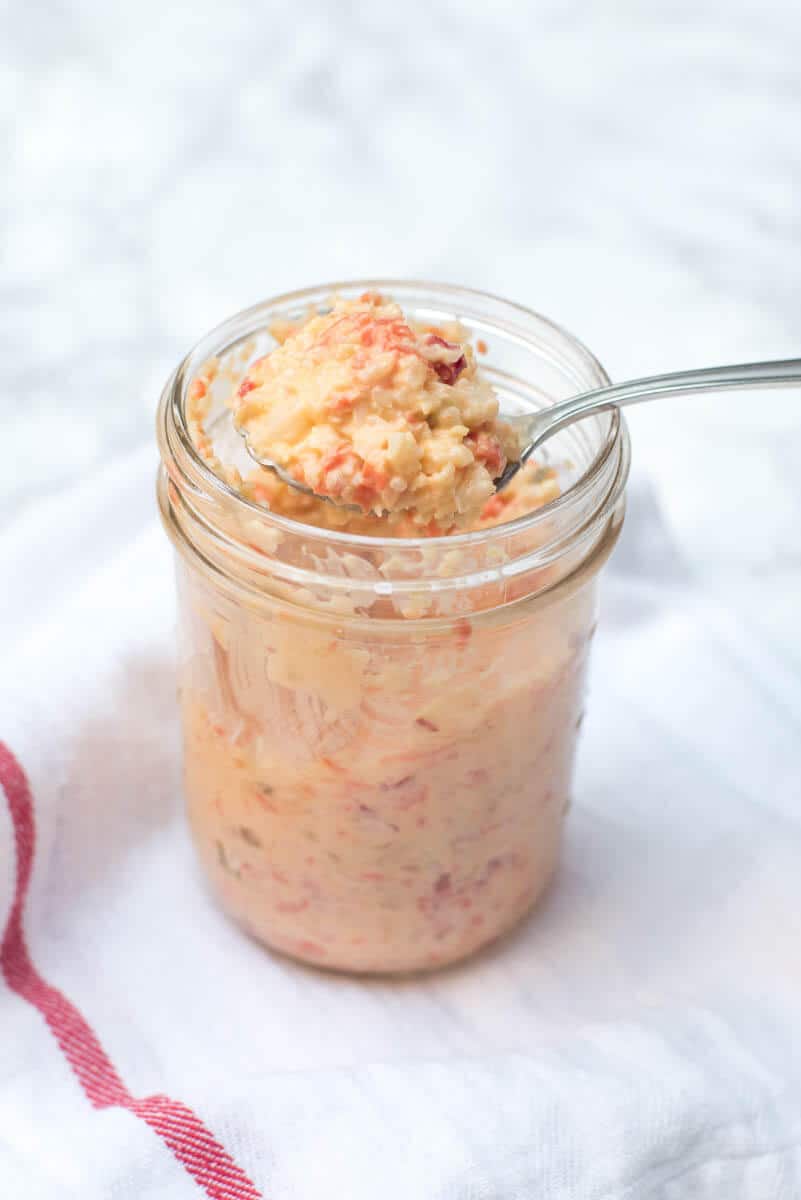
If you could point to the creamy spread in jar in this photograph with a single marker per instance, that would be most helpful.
(377, 767)
(381, 807)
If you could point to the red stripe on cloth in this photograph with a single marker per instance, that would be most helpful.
(209, 1164)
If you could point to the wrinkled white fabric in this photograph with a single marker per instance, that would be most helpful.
(639, 1037)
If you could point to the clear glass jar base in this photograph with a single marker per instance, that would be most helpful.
(393, 962)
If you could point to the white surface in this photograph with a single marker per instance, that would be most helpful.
(638, 1038)
(632, 170)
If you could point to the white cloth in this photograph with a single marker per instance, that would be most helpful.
(640, 1037)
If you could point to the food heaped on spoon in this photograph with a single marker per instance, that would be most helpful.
(370, 411)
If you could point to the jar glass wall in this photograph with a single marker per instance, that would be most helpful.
(379, 734)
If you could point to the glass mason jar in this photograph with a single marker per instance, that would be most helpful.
(379, 734)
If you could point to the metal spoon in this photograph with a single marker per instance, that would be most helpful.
(533, 428)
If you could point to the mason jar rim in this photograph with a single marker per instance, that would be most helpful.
(250, 320)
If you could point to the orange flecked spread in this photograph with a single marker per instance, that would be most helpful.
(372, 412)
(365, 801)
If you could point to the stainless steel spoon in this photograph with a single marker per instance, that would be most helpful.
(533, 428)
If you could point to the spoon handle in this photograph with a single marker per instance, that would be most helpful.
(780, 373)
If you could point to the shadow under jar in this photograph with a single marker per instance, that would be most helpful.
(379, 734)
